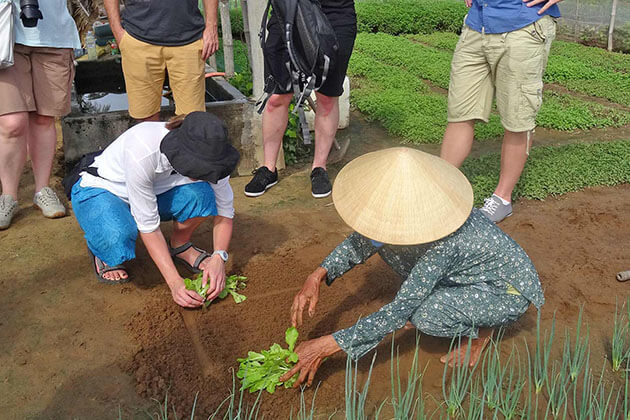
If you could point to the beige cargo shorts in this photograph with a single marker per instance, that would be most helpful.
(511, 64)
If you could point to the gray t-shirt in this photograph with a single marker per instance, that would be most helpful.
(163, 22)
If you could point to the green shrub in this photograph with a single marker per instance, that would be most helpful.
(410, 16)
(555, 170)
(442, 40)
(242, 79)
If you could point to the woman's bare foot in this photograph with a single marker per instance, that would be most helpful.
(114, 275)
(457, 357)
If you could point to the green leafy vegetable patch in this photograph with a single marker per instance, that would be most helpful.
(233, 284)
(263, 370)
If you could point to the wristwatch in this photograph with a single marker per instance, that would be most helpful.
(221, 253)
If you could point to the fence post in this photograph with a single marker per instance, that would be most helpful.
(611, 28)
(228, 44)
(246, 31)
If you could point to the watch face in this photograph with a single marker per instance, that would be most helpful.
(223, 255)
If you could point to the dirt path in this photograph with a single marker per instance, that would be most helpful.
(73, 348)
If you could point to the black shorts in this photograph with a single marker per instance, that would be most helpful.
(276, 57)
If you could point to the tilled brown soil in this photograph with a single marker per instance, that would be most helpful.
(577, 242)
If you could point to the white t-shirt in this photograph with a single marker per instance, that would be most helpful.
(134, 169)
(57, 29)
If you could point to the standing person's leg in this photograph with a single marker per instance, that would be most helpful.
(467, 311)
(274, 124)
(518, 73)
(186, 76)
(16, 85)
(327, 114)
(53, 73)
(144, 69)
(470, 94)
(13, 129)
(275, 115)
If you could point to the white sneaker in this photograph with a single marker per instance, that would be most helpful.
(494, 208)
(49, 203)
(8, 208)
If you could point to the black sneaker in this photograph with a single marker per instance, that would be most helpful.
(320, 185)
(262, 181)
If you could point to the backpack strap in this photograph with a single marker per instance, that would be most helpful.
(262, 35)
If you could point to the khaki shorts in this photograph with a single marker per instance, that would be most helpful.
(511, 64)
(40, 80)
(143, 66)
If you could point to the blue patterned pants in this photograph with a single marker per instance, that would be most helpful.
(451, 311)
(109, 227)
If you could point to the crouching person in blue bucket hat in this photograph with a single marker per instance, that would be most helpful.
(155, 172)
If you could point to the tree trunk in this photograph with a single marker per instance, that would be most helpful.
(228, 44)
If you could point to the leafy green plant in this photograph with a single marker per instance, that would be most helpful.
(233, 284)
(262, 371)
(293, 144)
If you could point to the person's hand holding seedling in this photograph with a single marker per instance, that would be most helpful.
(308, 295)
(213, 275)
(311, 354)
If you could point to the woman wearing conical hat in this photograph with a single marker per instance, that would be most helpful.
(461, 274)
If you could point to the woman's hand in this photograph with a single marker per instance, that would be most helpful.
(213, 273)
(309, 294)
(548, 4)
(184, 297)
(311, 355)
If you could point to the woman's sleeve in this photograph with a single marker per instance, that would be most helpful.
(355, 249)
(362, 337)
(140, 177)
(224, 197)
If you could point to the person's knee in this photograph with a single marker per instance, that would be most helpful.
(13, 125)
(278, 102)
(42, 121)
(326, 105)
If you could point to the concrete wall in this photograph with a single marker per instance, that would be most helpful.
(84, 133)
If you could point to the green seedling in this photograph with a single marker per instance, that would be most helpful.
(461, 378)
(233, 284)
(577, 355)
(511, 387)
(542, 353)
(262, 371)
(620, 330)
(407, 402)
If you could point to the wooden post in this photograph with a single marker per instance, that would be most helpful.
(611, 28)
(246, 31)
(228, 44)
(255, 10)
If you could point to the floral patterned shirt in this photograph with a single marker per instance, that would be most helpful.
(477, 253)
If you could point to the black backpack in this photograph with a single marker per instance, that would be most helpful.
(311, 42)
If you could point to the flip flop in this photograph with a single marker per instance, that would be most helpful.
(100, 268)
(195, 267)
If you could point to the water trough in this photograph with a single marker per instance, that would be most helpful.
(99, 112)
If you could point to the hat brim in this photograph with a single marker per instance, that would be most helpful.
(402, 196)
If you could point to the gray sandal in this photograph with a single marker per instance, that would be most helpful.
(195, 267)
(101, 268)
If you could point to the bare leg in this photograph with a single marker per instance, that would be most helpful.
(477, 345)
(275, 119)
(513, 158)
(182, 232)
(326, 123)
(42, 141)
(457, 142)
(13, 129)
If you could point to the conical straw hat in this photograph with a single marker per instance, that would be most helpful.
(402, 196)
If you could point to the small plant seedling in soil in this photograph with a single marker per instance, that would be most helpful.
(263, 370)
(233, 284)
